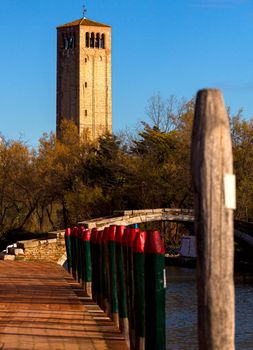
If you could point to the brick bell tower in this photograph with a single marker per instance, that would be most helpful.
(84, 76)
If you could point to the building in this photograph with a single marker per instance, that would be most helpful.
(84, 76)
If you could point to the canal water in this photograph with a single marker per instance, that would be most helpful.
(181, 310)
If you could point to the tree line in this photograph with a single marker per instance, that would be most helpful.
(62, 182)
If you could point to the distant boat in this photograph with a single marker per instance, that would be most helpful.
(188, 247)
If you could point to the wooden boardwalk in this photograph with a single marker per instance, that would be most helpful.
(42, 307)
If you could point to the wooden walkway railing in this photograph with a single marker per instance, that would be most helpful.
(42, 307)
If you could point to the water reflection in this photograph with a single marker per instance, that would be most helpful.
(181, 310)
(244, 315)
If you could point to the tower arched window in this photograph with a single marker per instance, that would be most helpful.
(102, 41)
(92, 40)
(97, 40)
(87, 39)
(65, 43)
(71, 41)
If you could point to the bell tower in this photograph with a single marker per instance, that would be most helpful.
(84, 76)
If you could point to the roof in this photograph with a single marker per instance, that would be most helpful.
(83, 22)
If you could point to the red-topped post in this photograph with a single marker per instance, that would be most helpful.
(80, 254)
(155, 284)
(122, 297)
(125, 266)
(139, 289)
(94, 265)
(100, 268)
(73, 251)
(105, 265)
(130, 284)
(86, 269)
(112, 275)
(68, 248)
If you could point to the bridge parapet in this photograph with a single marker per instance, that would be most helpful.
(49, 249)
(129, 217)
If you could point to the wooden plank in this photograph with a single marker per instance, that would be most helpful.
(39, 309)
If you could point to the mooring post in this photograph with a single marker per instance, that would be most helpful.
(139, 289)
(94, 264)
(122, 295)
(155, 285)
(73, 251)
(214, 194)
(114, 301)
(130, 285)
(77, 250)
(81, 261)
(68, 248)
(87, 268)
(125, 262)
(105, 266)
(100, 268)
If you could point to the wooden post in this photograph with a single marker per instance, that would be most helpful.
(212, 171)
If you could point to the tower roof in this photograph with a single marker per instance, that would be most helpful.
(83, 22)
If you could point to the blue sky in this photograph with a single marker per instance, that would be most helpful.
(167, 46)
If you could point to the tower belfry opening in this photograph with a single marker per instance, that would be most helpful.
(84, 76)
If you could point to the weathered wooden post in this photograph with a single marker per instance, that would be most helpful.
(214, 192)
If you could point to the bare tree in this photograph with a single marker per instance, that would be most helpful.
(165, 114)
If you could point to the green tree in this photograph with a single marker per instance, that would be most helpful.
(17, 202)
(242, 138)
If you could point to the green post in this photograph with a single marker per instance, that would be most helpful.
(155, 285)
(130, 285)
(139, 289)
(124, 251)
(73, 251)
(86, 268)
(113, 276)
(79, 250)
(94, 265)
(122, 296)
(68, 248)
(100, 268)
(105, 272)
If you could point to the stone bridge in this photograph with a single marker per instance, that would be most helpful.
(129, 217)
(52, 247)
(243, 230)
